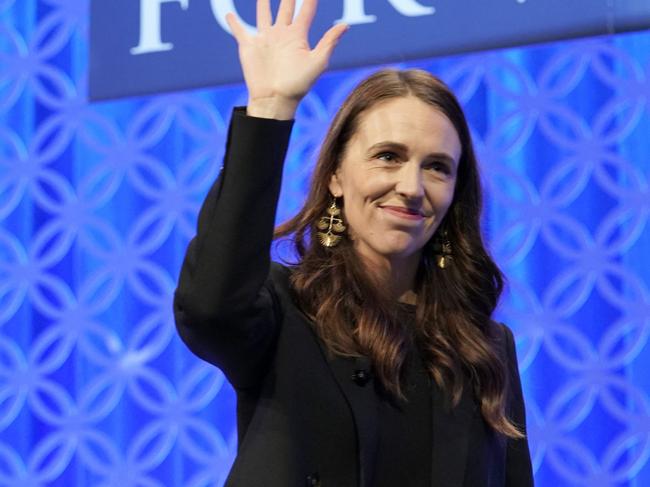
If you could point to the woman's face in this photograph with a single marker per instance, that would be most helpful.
(397, 178)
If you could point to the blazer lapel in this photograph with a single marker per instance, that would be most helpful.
(450, 438)
(354, 377)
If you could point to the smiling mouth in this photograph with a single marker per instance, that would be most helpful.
(405, 213)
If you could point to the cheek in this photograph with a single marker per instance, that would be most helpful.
(363, 188)
(356, 211)
(359, 209)
(441, 197)
(449, 198)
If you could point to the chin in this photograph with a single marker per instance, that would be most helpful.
(401, 251)
(402, 244)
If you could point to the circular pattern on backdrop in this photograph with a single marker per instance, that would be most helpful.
(97, 204)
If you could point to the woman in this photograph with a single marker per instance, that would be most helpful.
(373, 360)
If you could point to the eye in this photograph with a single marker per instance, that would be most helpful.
(387, 156)
(439, 166)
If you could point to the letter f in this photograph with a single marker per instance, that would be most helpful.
(150, 40)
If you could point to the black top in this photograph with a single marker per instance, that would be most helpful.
(404, 439)
(404, 450)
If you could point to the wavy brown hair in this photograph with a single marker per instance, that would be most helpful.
(354, 315)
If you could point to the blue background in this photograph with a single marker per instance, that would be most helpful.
(98, 202)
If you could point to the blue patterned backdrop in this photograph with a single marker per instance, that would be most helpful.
(97, 204)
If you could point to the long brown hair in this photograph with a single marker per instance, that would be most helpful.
(354, 315)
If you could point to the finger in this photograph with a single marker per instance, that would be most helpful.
(264, 18)
(236, 28)
(306, 14)
(285, 12)
(329, 40)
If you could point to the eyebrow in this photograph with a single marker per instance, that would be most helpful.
(403, 148)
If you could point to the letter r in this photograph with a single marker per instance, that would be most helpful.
(354, 11)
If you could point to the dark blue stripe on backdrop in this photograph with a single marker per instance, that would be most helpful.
(148, 46)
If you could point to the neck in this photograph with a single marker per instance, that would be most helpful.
(397, 274)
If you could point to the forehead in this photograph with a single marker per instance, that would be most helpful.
(409, 121)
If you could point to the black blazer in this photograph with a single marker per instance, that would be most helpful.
(305, 417)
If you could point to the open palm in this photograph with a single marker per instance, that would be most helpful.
(278, 63)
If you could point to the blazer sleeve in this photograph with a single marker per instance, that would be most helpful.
(224, 305)
(519, 472)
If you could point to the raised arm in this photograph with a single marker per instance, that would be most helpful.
(224, 304)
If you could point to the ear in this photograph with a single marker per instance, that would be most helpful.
(335, 185)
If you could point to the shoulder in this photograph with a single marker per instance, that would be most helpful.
(280, 275)
(501, 333)
(508, 355)
(280, 281)
(507, 333)
(504, 338)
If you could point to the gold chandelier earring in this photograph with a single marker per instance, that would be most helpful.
(442, 249)
(331, 226)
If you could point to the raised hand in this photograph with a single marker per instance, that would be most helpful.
(278, 64)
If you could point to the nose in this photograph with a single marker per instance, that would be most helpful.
(409, 182)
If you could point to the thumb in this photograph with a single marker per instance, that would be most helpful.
(329, 41)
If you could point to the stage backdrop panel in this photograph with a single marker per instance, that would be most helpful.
(98, 202)
(149, 46)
